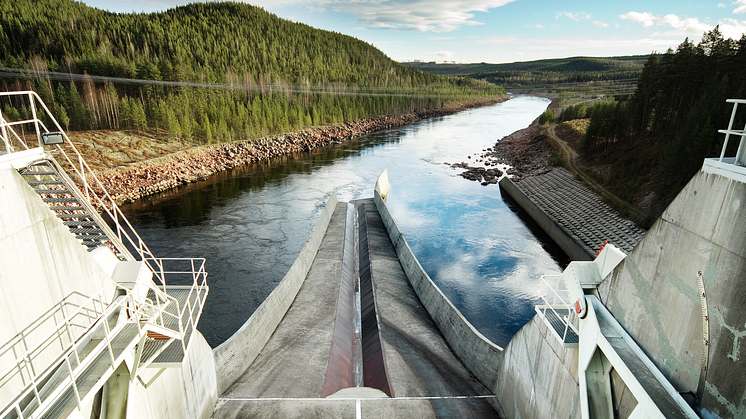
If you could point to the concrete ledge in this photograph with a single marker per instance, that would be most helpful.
(477, 353)
(234, 356)
(559, 234)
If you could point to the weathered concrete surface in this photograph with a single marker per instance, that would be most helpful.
(571, 214)
(293, 364)
(654, 292)
(538, 377)
(236, 354)
(186, 392)
(286, 379)
(480, 356)
(418, 358)
(43, 268)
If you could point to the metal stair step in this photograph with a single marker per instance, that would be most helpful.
(44, 182)
(87, 216)
(53, 191)
(91, 237)
(35, 173)
(81, 231)
(80, 223)
(61, 200)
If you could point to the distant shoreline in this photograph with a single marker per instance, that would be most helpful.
(127, 184)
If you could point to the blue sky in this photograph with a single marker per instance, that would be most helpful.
(499, 31)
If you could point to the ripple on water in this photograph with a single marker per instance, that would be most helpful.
(251, 223)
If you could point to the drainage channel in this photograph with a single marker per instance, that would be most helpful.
(356, 358)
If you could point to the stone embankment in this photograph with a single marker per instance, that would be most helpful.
(573, 215)
(158, 175)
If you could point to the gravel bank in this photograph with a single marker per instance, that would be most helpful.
(150, 177)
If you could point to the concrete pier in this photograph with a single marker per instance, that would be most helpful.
(287, 377)
(571, 214)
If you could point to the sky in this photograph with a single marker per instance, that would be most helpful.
(499, 31)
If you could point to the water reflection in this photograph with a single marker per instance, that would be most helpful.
(250, 223)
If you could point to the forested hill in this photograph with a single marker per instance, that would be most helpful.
(655, 141)
(549, 71)
(280, 75)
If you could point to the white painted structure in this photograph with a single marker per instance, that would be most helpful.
(90, 327)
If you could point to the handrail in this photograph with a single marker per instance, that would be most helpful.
(92, 189)
(741, 153)
(140, 310)
(556, 300)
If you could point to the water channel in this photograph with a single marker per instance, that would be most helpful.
(251, 223)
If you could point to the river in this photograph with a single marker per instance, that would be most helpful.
(251, 223)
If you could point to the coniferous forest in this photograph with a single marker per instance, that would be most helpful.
(658, 138)
(206, 71)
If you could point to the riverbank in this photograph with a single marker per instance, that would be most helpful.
(128, 183)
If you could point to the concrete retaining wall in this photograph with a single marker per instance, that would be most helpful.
(559, 234)
(538, 378)
(186, 392)
(654, 293)
(234, 356)
(45, 273)
(479, 355)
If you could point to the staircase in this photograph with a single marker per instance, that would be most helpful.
(62, 198)
(147, 325)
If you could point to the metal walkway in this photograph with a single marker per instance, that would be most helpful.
(426, 378)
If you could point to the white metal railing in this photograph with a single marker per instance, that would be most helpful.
(740, 158)
(91, 189)
(28, 369)
(554, 297)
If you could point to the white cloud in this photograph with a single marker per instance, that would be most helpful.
(420, 15)
(741, 8)
(646, 19)
(688, 25)
(539, 26)
(601, 24)
(732, 28)
(576, 16)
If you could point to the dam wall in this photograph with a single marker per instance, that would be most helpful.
(41, 261)
(45, 274)
(479, 354)
(234, 356)
(680, 294)
(571, 214)
(538, 377)
(560, 235)
(186, 392)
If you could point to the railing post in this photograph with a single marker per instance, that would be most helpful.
(730, 127)
(36, 120)
(107, 332)
(33, 383)
(741, 146)
(74, 384)
(6, 139)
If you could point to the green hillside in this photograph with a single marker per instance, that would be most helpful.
(251, 73)
(549, 71)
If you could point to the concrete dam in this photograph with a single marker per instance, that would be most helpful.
(99, 327)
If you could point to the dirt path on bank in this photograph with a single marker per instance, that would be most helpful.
(570, 157)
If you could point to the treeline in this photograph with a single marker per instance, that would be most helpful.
(247, 73)
(544, 72)
(669, 125)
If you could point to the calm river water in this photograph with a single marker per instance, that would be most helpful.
(252, 222)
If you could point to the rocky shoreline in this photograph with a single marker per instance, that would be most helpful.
(158, 175)
(522, 154)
